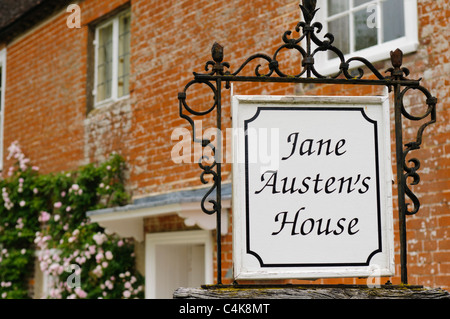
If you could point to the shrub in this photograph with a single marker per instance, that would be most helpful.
(45, 214)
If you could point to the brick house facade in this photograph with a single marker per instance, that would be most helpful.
(52, 104)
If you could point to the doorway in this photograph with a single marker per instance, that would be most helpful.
(177, 259)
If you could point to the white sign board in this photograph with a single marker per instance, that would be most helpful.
(312, 187)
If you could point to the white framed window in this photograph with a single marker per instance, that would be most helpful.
(112, 59)
(177, 259)
(2, 100)
(366, 28)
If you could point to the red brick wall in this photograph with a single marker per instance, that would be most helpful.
(166, 223)
(174, 39)
(46, 101)
(428, 231)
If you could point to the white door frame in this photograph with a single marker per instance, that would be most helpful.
(179, 237)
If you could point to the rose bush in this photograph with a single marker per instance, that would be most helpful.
(44, 215)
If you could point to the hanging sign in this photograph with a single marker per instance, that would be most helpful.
(312, 187)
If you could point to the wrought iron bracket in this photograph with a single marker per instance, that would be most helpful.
(218, 73)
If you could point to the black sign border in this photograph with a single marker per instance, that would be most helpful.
(377, 169)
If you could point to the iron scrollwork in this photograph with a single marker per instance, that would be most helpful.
(309, 31)
(308, 45)
(400, 73)
(209, 168)
(411, 171)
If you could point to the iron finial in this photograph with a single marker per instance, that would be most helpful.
(397, 72)
(310, 4)
(309, 10)
(217, 52)
(397, 58)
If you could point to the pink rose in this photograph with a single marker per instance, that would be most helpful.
(44, 217)
(80, 293)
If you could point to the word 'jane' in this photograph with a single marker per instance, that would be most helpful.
(309, 146)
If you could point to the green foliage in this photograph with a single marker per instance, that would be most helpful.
(47, 214)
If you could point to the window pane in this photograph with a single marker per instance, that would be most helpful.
(124, 56)
(340, 28)
(337, 6)
(365, 36)
(393, 20)
(104, 63)
(359, 2)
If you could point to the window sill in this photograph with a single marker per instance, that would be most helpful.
(110, 101)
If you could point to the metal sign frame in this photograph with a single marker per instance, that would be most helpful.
(286, 228)
(396, 81)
